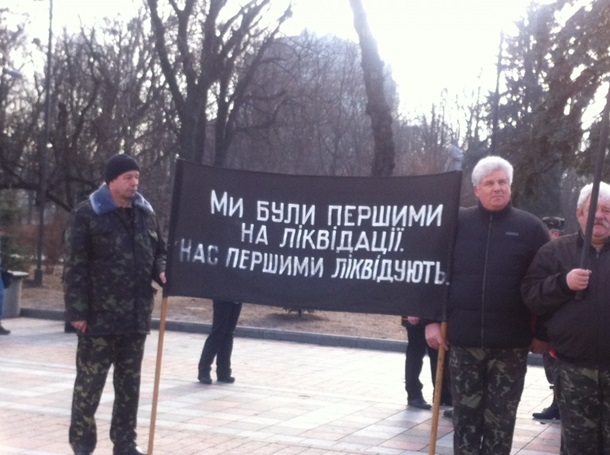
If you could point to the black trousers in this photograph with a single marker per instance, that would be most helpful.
(414, 361)
(219, 343)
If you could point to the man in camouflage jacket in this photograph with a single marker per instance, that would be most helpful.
(113, 252)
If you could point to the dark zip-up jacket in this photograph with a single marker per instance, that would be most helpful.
(112, 256)
(493, 250)
(577, 327)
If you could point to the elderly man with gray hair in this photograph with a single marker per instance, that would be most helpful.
(575, 301)
(488, 326)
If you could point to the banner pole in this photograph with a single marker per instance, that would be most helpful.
(155, 400)
(438, 391)
(597, 176)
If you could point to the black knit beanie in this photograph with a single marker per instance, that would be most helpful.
(119, 164)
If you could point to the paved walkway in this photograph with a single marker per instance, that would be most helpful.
(289, 399)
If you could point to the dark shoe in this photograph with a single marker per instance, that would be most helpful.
(550, 413)
(69, 328)
(135, 450)
(226, 379)
(419, 403)
(205, 378)
(82, 452)
(3, 331)
(448, 413)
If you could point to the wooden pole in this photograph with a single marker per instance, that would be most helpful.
(438, 388)
(153, 412)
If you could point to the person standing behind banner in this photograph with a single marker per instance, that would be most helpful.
(555, 226)
(455, 157)
(114, 250)
(219, 343)
(488, 326)
(414, 360)
(575, 302)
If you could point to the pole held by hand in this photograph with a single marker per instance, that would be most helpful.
(597, 177)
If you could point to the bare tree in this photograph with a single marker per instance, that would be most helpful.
(421, 143)
(307, 110)
(108, 98)
(378, 109)
(17, 104)
(209, 55)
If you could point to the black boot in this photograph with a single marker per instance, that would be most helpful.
(204, 377)
(225, 377)
(550, 413)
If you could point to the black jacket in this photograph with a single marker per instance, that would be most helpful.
(577, 329)
(492, 253)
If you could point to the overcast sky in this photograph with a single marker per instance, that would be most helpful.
(431, 45)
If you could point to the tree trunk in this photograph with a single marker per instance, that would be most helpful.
(377, 107)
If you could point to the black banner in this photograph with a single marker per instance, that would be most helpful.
(353, 244)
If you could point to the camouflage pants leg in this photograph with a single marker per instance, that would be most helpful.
(93, 361)
(128, 354)
(486, 385)
(584, 405)
(94, 356)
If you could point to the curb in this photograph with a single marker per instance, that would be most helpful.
(320, 339)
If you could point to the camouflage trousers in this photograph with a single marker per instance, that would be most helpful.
(486, 384)
(584, 405)
(94, 356)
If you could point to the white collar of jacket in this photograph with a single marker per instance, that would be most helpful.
(102, 202)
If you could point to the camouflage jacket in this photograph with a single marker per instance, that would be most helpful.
(112, 256)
